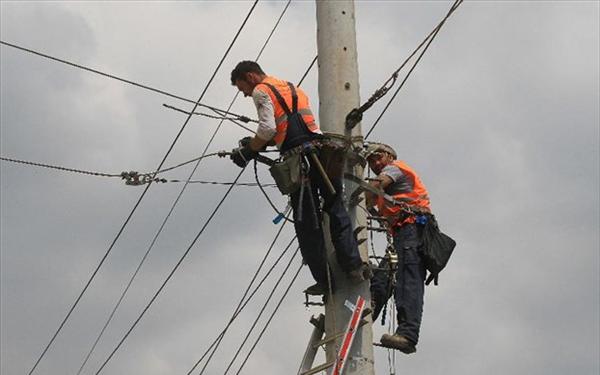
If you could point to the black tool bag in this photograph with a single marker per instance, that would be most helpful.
(437, 246)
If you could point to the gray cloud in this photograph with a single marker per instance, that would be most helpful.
(500, 119)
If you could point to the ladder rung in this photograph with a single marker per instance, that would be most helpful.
(319, 368)
(338, 335)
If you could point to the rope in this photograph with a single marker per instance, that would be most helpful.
(217, 341)
(124, 80)
(261, 312)
(270, 319)
(429, 39)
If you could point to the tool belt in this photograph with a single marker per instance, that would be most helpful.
(287, 173)
(288, 169)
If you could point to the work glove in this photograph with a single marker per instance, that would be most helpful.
(242, 155)
(432, 277)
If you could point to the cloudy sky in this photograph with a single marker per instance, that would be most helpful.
(501, 119)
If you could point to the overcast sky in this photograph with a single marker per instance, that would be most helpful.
(500, 118)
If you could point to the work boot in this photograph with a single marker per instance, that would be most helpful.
(317, 289)
(398, 342)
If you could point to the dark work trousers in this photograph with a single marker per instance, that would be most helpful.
(410, 282)
(310, 233)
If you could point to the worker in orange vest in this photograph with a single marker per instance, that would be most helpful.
(405, 220)
(286, 121)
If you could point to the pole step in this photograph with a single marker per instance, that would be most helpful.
(320, 368)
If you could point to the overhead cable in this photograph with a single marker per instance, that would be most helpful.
(72, 308)
(261, 311)
(355, 116)
(26, 162)
(429, 40)
(260, 335)
(160, 289)
(215, 344)
(196, 166)
(232, 119)
(253, 184)
(124, 80)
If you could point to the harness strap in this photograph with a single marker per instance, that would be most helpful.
(280, 99)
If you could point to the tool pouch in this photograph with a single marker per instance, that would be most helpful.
(287, 174)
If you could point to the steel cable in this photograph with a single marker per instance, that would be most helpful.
(262, 310)
(429, 40)
(269, 320)
(240, 308)
(124, 80)
(140, 198)
(179, 262)
(184, 187)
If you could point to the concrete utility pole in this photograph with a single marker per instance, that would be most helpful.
(338, 95)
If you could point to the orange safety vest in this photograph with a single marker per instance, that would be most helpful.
(417, 197)
(281, 122)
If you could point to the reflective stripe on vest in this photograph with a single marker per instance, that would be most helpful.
(280, 113)
(418, 195)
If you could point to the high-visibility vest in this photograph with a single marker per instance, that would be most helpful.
(283, 89)
(415, 196)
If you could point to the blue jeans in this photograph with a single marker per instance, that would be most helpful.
(310, 231)
(410, 282)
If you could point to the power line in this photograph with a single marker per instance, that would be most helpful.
(190, 176)
(232, 119)
(260, 312)
(215, 344)
(123, 175)
(212, 215)
(270, 319)
(252, 184)
(141, 197)
(429, 39)
(307, 70)
(100, 174)
(124, 80)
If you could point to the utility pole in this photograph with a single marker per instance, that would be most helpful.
(338, 95)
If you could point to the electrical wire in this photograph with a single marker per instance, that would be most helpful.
(429, 39)
(124, 80)
(160, 289)
(139, 199)
(60, 168)
(307, 70)
(251, 184)
(270, 319)
(262, 310)
(190, 176)
(239, 309)
(232, 119)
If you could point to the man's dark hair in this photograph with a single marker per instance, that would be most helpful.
(244, 67)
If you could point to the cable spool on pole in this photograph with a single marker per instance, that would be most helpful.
(338, 95)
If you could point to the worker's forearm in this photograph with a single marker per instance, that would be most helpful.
(257, 143)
